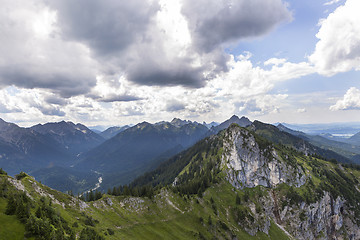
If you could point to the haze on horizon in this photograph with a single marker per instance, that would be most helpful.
(117, 62)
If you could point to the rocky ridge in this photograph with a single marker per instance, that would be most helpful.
(248, 165)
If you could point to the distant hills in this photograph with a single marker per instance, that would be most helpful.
(75, 138)
(23, 149)
(140, 148)
(113, 131)
(348, 148)
(64, 150)
(274, 134)
(237, 184)
(337, 130)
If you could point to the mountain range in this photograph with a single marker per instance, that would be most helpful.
(236, 184)
(23, 149)
(140, 148)
(75, 138)
(64, 152)
(349, 149)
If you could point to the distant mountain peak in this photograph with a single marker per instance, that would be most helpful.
(143, 125)
(75, 137)
(242, 122)
(113, 131)
(177, 122)
(281, 127)
(5, 125)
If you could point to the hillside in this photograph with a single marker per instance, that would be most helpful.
(274, 134)
(288, 187)
(232, 185)
(23, 149)
(166, 215)
(113, 131)
(138, 149)
(75, 138)
(345, 149)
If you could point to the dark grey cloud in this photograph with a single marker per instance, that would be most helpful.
(107, 26)
(222, 22)
(117, 37)
(51, 111)
(214, 22)
(119, 98)
(167, 75)
(31, 61)
(85, 105)
(53, 99)
(174, 106)
(66, 83)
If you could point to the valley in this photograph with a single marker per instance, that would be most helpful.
(242, 182)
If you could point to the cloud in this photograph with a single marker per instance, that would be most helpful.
(119, 98)
(174, 106)
(164, 44)
(338, 48)
(167, 74)
(63, 47)
(275, 61)
(7, 109)
(99, 61)
(244, 80)
(350, 101)
(51, 110)
(261, 105)
(35, 56)
(331, 2)
(229, 21)
(301, 110)
(53, 99)
(108, 27)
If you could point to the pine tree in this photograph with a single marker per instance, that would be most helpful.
(237, 200)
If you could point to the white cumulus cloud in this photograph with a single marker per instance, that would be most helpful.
(350, 101)
(338, 48)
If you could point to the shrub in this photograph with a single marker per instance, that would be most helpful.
(20, 176)
(110, 231)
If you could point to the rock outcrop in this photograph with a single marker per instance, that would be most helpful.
(249, 166)
(248, 163)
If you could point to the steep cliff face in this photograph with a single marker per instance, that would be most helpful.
(249, 162)
(327, 218)
(249, 166)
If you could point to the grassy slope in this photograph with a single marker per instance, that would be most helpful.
(169, 216)
(166, 216)
(11, 228)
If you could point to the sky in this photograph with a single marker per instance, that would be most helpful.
(117, 62)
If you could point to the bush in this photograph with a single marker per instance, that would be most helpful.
(89, 233)
(2, 172)
(237, 200)
(223, 225)
(110, 231)
(20, 176)
(90, 221)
